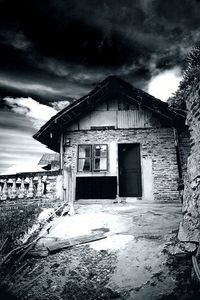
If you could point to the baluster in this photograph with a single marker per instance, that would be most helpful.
(1, 189)
(39, 187)
(18, 181)
(10, 184)
(13, 190)
(5, 190)
(22, 190)
(48, 187)
(26, 183)
(30, 189)
(44, 180)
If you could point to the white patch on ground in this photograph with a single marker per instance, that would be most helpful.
(124, 208)
(82, 224)
(114, 242)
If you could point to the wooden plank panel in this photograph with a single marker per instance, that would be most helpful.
(134, 119)
(103, 118)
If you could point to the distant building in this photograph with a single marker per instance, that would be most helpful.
(50, 161)
(119, 142)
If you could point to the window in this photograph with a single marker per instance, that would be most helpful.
(84, 158)
(92, 158)
(100, 158)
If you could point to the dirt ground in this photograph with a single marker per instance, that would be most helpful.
(134, 261)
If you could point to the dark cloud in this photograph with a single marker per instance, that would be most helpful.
(50, 40)
(105, 34)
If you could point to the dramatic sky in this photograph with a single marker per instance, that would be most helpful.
(54, 51)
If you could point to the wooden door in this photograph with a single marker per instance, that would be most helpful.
(129, 170)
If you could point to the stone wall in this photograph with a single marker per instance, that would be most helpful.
(184, 149)
(190, 226)
(156, 144)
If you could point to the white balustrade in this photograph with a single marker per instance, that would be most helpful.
(35, 185)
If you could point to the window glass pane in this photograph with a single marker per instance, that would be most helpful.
(100, 164)
(100, 150)
(97, 150)
(84, 164)
(97, 164)
(84, 151)
(104, 150)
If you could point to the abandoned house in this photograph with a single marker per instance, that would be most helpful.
(119, 142)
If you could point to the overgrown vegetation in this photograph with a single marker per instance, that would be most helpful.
(13, 226)
(189, 85)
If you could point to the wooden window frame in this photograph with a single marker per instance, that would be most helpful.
(92, 158)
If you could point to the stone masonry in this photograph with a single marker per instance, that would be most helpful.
(156, 143)
(190, 226)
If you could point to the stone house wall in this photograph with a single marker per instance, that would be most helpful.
(156, 144)
(190, 226)
(184, 148)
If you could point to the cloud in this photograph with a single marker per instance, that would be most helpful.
(23, 167)
(31, 109)
(43, 89)
(30, 87)
(75, 44)
(17, 147)
(60, 104)
(16, 39)
(164, 84)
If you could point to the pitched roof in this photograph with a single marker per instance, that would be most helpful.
(111, 87)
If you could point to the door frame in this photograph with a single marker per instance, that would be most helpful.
(140, 169)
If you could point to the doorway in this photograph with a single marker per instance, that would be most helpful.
(129, 170)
